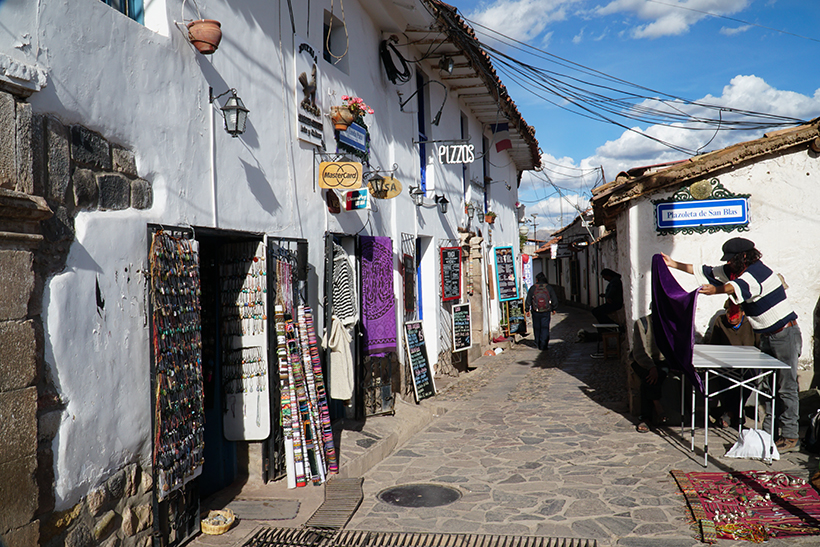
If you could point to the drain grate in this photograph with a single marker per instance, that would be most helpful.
(296, 537)
(342, 498)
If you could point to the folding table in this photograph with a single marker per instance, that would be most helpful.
(731, 363)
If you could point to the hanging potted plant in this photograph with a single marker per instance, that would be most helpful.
(489, 217)
(352, 109)
(205, 35)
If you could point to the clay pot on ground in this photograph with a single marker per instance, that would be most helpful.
(342, 117)
(205, 35)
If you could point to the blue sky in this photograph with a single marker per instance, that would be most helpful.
(755, 55)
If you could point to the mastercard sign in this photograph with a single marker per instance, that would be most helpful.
(340, 175)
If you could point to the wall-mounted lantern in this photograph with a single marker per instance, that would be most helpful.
(442, 203)
(418, 195)
(234, 112)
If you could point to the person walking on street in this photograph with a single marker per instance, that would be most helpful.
(542, 301)
(762, 296)
(613, 297)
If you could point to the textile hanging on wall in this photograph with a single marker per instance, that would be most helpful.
(344, 290)
(179, 419)
(673, 320)
(379, 302)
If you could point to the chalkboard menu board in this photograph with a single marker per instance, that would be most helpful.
(515, 315)
(450, 273)
(461, 327)
(505, 274)
(417, 352)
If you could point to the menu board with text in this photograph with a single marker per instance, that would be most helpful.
(450, 273)
(505, 274)
(462, 329)
(423, 383)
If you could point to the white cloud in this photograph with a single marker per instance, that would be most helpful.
(670, 17)
(558, 192)
(732, 31)
(521, 19)
(633, 149)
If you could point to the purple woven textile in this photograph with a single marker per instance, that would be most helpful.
(378, 300)
(673, 320)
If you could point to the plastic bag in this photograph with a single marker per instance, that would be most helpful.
(753, 444)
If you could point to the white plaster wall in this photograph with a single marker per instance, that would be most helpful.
(146, 88)
(784, 222)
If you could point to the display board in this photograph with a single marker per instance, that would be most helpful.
(505, 274)
(515, 315)
(423, 382)
(245, 376)
(450, 273)
(462, 329)
(409, 266)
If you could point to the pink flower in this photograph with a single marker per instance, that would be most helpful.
(345, 97)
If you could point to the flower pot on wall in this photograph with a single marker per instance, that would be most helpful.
(205, 35)
(342, 117)
(489, 219)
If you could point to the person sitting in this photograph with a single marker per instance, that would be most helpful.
(731, 328)
(649, 365)
(613, 297)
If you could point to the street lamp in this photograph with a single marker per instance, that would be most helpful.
(442, 203)
(234, 112)
(534, 229)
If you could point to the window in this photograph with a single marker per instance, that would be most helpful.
(335, 42)
(131, 8)
(422, 120)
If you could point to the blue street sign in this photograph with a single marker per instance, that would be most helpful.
(711, 212)
(355, 136)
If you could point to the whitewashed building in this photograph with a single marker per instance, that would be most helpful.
(114, 131)
(764, 190)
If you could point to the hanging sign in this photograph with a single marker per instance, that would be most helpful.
(392, 188)
(505, 274)
(450, 273)
(354, 136)
(308, 94)
(462, 329)
(710, 212)
(423, 383)
(343, 175)
(456, 153)
(355, 200)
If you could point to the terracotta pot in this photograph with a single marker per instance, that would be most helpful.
(342, 117)
(205, 35)
(489, 219)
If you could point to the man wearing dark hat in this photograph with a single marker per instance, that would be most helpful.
(761, 294)
(613, 297)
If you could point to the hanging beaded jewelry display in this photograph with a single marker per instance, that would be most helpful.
(245, 371)
(177, 343)
(751, 505)
(243, 276)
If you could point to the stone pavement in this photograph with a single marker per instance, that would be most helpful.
(537, 443)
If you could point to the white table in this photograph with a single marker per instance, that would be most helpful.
(730, 363)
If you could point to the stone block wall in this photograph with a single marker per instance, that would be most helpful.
(49, 172)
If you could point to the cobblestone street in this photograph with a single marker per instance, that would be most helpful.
(542, 444)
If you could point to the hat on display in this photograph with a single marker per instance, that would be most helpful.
(734, 246)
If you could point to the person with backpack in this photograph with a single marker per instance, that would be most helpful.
(541, 301)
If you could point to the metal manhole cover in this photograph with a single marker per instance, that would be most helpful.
(419, 495)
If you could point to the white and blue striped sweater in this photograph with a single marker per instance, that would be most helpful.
(758, 290)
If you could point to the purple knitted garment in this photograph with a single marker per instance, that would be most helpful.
(673, 320)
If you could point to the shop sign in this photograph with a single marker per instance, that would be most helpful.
(355, 136)
(308, 94)
(343, 175)
(505, 274)
(711, 212)
(392, 188)
(355, 200)
(456, 153)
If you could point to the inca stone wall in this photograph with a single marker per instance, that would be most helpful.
(49, 172)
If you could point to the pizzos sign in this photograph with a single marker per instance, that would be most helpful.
(344, 175)
(456, 153)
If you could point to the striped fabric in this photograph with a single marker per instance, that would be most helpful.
(345, 306)
(759, 291)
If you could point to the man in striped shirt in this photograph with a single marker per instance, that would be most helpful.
(762, 296)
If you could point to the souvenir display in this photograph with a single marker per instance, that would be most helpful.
(177, 346)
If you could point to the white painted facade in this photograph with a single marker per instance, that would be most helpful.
(146, 88)
(783, 223)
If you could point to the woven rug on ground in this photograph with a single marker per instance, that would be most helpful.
(750, 505)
